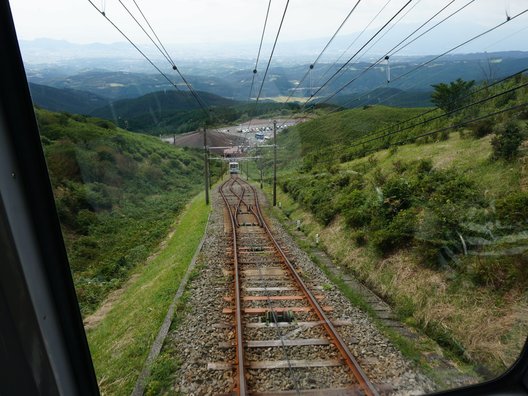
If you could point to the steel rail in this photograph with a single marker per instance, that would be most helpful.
(352, 363)
(241, 377)
(249, 206)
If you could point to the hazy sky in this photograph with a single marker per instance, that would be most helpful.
(214, 21)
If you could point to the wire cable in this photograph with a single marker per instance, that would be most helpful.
(312, 65)
(353, 56)
(427, 62)
(447, 114)
(148, 35)
(258, 54)
(464, 43)
(353, 42)
(390, 52)
(485, 87)
(135, 46)
(272, 51)
(153, 31)
(516, 107)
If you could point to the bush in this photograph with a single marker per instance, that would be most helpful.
(354, 208)
(513, 208)
(397, 234)
(507, 140)
(482, 128)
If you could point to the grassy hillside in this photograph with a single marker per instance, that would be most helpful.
(387, 96)
(70, 100)
(117, 193)
(444, 213)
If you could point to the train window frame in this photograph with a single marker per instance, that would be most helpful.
(37, 295)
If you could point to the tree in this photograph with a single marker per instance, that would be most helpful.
(449, 97)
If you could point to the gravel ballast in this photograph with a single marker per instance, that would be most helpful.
(204, 334)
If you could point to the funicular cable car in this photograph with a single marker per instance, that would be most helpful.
(234, 168)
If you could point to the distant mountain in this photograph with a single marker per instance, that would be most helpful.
(158, 103)
(70, 100)
(177, 111)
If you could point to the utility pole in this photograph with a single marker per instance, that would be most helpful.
(206, 168)
(274, 163)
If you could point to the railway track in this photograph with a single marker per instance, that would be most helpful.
(281, 322)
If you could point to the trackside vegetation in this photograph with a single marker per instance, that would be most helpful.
(433, 221)
(117, 194)
(121, 342)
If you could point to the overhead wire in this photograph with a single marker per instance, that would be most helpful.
(353, 56)
(195, 95)
(367, 50)
(446, 114)
(260, 48)
(480, 118)
(472, 93)
(424, 63)
(353, 42)
(146, 33)
(312, 65)
(270, 58)
(395, 48)
(272, 51)
(464, 43)
(153, 31)
(135, 46)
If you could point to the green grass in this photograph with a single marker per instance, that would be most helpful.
(416, 350)
(121, 342)
(469, 156)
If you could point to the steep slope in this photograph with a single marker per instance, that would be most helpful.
(117, 194)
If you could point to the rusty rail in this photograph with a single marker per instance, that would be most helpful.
(241, 377)
(358, 373)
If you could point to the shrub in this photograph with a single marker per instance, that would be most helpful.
(513, 208)
(354, 208)
(482, 128)
(398, 233)
(507, 140)
(397, 195)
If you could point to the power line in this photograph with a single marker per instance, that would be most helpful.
(441, 115)
(272, 51)
(144, 31)
(390, 52)
(258, 54)
(200, 102)
(427, 62)
(485, 87)
(312, 65)
(464, 43)
(516, 107)
(364, 45)
(153, 31)
(354, 41)
(135, 46)
(390, 28)
(353, 56)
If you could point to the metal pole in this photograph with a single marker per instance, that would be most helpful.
(247, 170)
(206, 168)
(274, 163)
